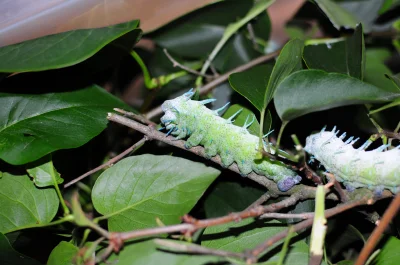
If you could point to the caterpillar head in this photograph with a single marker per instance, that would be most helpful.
(171, 109)
(316, 140)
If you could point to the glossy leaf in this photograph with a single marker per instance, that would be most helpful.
(314, 90)
(45, 174)
(241, 118)
(346, 56)
(227, 197)
(389, 254)
(289, 61)
(247, 234)
(395, 79)
(139, 189)
(63, 254)
(8, 255)
(60, 50)
(23, 204)
(338, 16)
(252, 84)
(147, 252)
(32, 126)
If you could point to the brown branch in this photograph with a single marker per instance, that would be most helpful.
(221, 79)
(109, 162)
(135, 116)
(379, 229)
(175, 63)
(287, 215)
(265, 197)
(257, 251)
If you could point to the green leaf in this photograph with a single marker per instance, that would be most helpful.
(376, 70)
(395, 79)
(252, 84)
(387, 5)
(32, 126)
(60, 50)
(389, 254)
(147, 252)
(45, 174)
(247, 234)
(63, 254)
(241, 118)
(308, 91)
(227, 197)
(346, 56)
(24, 205)
(8, 256)
(338, 16)
(139, 189)
(289, 61)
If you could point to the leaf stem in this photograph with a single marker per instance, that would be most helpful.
(63, 205)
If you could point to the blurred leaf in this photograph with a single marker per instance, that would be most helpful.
(196, 34)
(147, 252)
(247, 234)
(227, 197)
(252, 84)
(241, 118)
(45, 174)
(8, 255)
(63, 254)
(338, 16)
(318, 231)
(23, 204)
(388, 4)
(376, 70)
(60, 50)
(139, 189)
(346, 56)
(79, 216)
(389, 254)
(308, 91)
(32, 126)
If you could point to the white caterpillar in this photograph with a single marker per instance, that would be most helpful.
(376, 169)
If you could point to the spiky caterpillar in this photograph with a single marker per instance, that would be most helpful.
(188, 118)
(375, 169)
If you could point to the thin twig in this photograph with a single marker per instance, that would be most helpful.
(109, 162)
(175, 63)
(257, 251)
(265, 197)
(196, 249)
(379, 229)
(135, 116)
(221, 79)
(287, 215)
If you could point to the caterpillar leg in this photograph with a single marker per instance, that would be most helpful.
(210, 149)
(226, 158)
(194, 140)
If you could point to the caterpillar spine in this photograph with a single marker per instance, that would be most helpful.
(375, 169)
(186, 118)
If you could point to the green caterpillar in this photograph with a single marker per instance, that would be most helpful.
(375, 169)
(188, 118)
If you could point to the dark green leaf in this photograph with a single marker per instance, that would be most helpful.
(60, 50)
(247, 234)
(314, 90)
(139, 189)
(198, 32)
(63, 254)
(45, 174)
(389, 254)
(148, 253)
(227, 197)
(338, 16)
(23, 204)
(252, 84)
(241, 118)
(338, 55)
(32, 126)
(8, 256)
(376, 70)
(388, 4)
(289, 61)
(395, 79)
